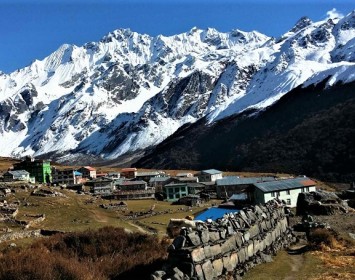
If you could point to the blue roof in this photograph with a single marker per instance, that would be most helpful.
(214, 213)
(211, 171)
(235, 180)
(77, 173)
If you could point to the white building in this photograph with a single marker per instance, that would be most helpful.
(286, 190)
(210, 175)
(17, 175)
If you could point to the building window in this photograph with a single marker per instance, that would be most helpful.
(307, 189)
(273, 194)
(288, 201)
(288, 192)
(302, 190)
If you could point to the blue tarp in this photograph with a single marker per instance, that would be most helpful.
(214, 213)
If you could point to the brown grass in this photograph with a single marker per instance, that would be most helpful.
(107, 253)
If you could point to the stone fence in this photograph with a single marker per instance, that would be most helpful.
(228, 247)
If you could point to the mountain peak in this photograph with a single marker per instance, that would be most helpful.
(301, 23)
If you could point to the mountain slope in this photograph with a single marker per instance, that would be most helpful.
(130, 91)
(309, 131)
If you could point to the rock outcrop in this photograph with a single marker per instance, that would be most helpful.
(320, 203)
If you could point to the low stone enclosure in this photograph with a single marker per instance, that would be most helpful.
(229, 247)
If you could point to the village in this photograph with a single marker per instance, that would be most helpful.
(183, 188)
(39, 199)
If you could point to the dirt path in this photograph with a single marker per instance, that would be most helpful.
(296, 265)
(139, 228)
(98, 216)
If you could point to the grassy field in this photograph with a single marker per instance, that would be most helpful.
(74, 212)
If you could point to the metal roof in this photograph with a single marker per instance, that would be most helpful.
(132, 183)
(280, 185)
(77, 173)
(148, 173)
(18, 172)
(211, 171)
(158, 179)
(239, 196)
(176, 185)
(235, 180)
(183, 174)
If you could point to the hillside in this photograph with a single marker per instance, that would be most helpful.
(308, 131)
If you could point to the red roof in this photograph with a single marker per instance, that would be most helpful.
(89, 168)
(308, 182)
(128, 169)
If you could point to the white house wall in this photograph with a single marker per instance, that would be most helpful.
(292, 196)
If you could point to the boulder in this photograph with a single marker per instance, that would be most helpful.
(320, 203)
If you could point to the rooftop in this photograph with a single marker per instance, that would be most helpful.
(18, 172)
(211, 171)
(279, 185)
(158, 179)
(235, 180)
(132, 183)
(148, 173)
(89, 168)
(175, 185)
(130, 169)
(239, 196)
(183, 174)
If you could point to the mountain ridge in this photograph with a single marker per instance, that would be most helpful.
(129, 91)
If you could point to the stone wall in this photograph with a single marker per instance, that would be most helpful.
(229, 247)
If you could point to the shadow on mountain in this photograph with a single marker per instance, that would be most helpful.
(308, 131)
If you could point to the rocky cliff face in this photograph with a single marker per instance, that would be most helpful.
(130, 91)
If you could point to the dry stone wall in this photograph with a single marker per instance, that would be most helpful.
(229, 247)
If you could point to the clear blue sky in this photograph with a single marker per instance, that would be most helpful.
(32, 29)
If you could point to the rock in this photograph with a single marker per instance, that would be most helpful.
(198, 255)
(157, 275)
(215, 250)
(194, 238)
(214, 236)
(205, 237)
(208, 270)
(227, 263)
(352, 235)
(320, 203)
(217, 267)
(178, 274)
(266, 258)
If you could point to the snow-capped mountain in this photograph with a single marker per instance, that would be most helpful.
(131, 91)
